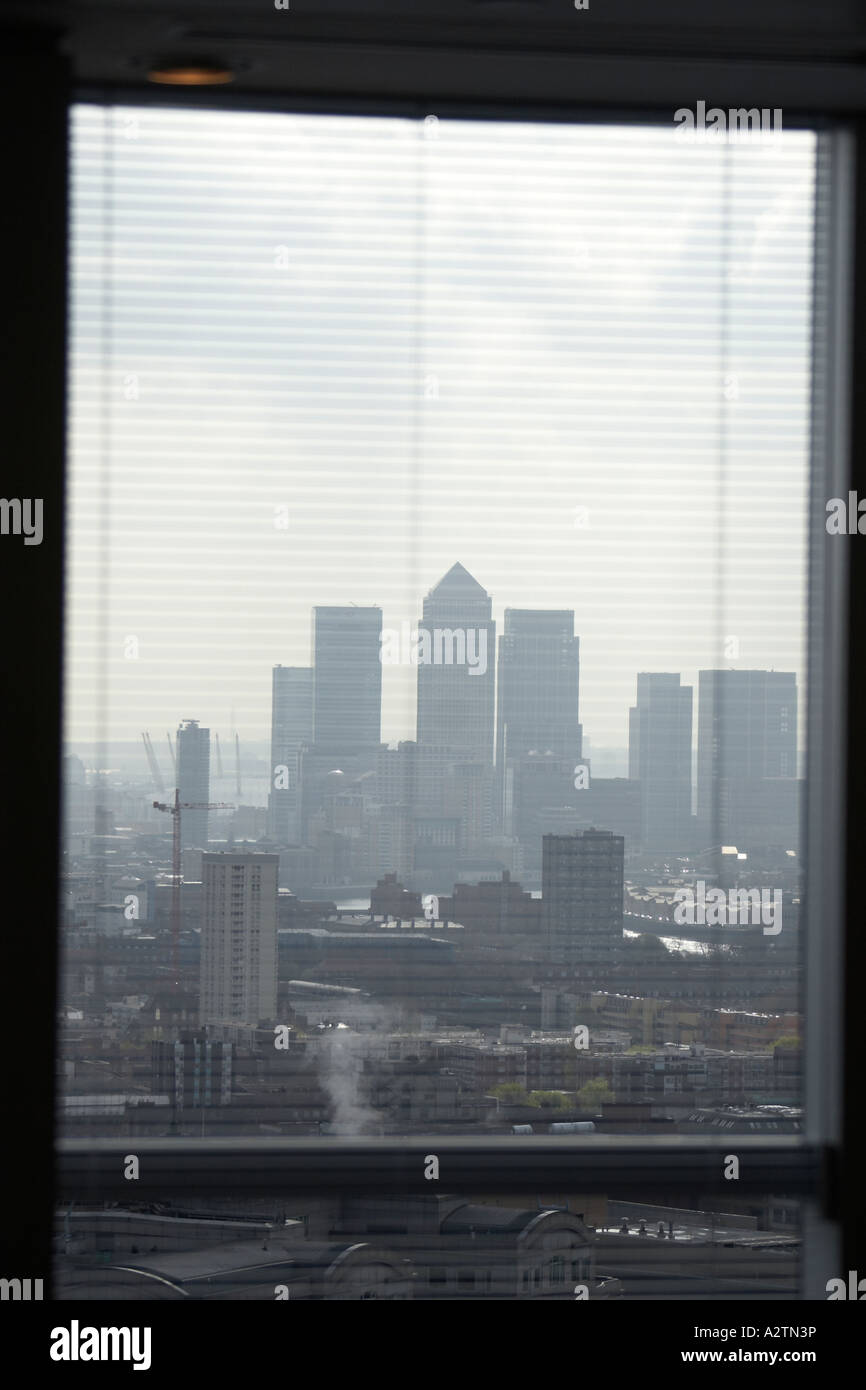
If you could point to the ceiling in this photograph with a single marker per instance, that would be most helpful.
(622, 52)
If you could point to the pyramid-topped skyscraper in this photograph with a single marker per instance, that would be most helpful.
(456, 668)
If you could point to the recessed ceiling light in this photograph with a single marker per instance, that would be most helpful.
(189, 72)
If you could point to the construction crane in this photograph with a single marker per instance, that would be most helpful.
(219, 758)
(174, 809)
(171, 754)
(155, 773)
(238, 765)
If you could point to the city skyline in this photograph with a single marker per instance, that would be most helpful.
(340, 667)
(615, 737)
(404, 410)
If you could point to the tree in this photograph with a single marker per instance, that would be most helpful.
(593, 1094)
(558, 1099)
(511, 1092)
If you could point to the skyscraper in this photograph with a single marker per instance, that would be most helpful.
(291, 728)
(347, 677)
(537, 692)
(747, 735)
(581, 894)
(456, 661)
(239, 938)
(193, 780)
(660, 759)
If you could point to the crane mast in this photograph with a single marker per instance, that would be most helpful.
(219, 760)
(155, 773)
(174, 809)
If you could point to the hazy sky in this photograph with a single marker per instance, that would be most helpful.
(317, 360)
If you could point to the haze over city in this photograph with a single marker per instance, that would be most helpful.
(342, 354)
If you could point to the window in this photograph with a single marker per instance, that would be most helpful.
(434, 329)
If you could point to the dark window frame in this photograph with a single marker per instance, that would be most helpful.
(826, 1165)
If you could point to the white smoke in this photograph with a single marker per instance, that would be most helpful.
(341, 1071)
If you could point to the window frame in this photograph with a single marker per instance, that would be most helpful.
(828, 1163)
